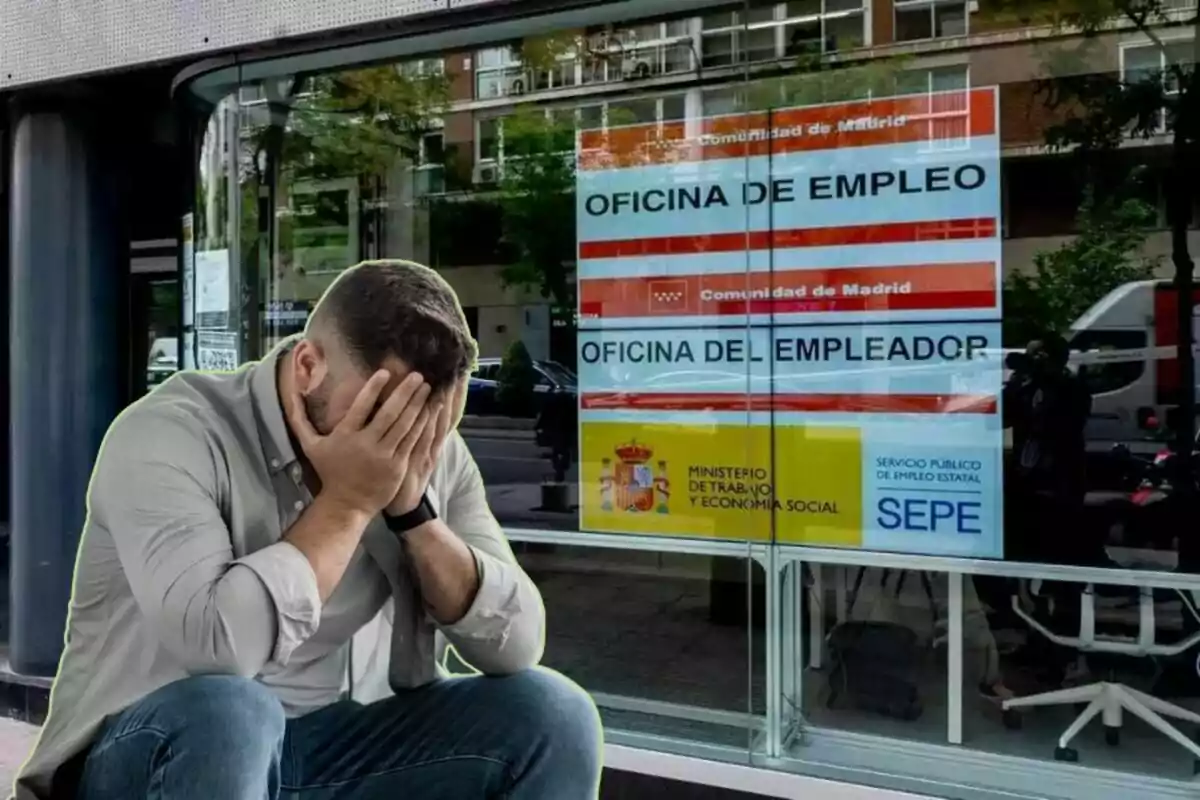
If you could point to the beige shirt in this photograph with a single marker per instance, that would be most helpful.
(182, 571)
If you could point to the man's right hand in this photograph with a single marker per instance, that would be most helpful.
(362, 461)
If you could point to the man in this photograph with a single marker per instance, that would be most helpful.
(1047, 407)
(243, 527)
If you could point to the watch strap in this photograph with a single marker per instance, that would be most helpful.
(402, 523)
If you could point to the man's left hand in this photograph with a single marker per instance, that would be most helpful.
(425, 455)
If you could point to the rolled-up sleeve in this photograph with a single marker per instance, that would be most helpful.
(504, 629)
(155, 490)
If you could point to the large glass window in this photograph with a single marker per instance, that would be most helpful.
(770, 31)
(836, 377)
(930, 19)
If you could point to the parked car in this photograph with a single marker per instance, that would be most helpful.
(163, 361)
(551, 377)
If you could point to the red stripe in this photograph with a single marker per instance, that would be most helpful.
(900, 302)
(880, 233)
(848, 403)
(943, 116)
(895, 302)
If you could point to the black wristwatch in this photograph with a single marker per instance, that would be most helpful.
(404, 523)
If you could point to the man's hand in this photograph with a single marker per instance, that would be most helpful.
(364, 461)
(425, 455)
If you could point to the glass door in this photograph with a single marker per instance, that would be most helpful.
(154, 330)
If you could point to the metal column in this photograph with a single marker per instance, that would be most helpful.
(68, 376)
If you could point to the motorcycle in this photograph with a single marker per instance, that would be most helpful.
(1153, 514)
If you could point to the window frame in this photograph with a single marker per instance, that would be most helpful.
(1168, 39)
(737, 91)
(779, 24)
(605, 104)
(931, 6)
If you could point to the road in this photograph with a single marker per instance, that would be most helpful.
(510, 457)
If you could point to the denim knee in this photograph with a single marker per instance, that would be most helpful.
(225, 732)
(217, 711)
(560, 717)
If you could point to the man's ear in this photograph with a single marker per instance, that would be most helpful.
(309, 364)
(458, 396)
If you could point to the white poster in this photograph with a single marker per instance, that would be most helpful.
(217, 351)
(212, 289)
(822, 287)
(188, 276)
(189, 350)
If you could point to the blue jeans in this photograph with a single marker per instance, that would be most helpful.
(530, 736)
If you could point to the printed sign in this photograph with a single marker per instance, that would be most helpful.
(212, 289)
(188, 271)
(189, 350)
(216, 351)
(790, 326)
(286, 317)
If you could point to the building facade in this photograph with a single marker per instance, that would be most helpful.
(745, 558)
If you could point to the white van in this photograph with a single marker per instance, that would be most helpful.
(1125, 348)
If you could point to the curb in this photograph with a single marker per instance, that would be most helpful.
(506, 434)
(490, 423)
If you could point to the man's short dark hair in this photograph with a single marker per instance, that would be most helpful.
(379, 309)
(1056, 347)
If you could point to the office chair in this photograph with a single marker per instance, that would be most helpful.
(1107, 699)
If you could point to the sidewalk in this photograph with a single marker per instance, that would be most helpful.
(518, 505)
(16, 739)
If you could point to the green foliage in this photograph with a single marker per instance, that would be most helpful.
(537, 201)
(351, 123)
(515, 381)
(544, 52)
(1098, 108)
(1085, 16)
(1097, 111)
(1068, 280)
(811, 80)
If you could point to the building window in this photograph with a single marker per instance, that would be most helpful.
(930, 19)
(792, 29)
(936, 79)
(639, 52)
(432, 149)
(593, 116)
(499, 73)
(663, 48)
(947, 109)
(944, 86)
(423, 68)
(431, 164)
(644, 51)
(488, 139)
(1151, 63)
(722, 100)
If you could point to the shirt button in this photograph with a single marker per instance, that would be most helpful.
(295, 473)
(274, 463)
(298, 505)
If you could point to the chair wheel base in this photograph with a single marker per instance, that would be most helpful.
(1012, 719)
(1067, 754)
(1112, 736)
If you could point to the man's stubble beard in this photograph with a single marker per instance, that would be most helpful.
(316, 406)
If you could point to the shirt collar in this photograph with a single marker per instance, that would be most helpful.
(264, 393)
